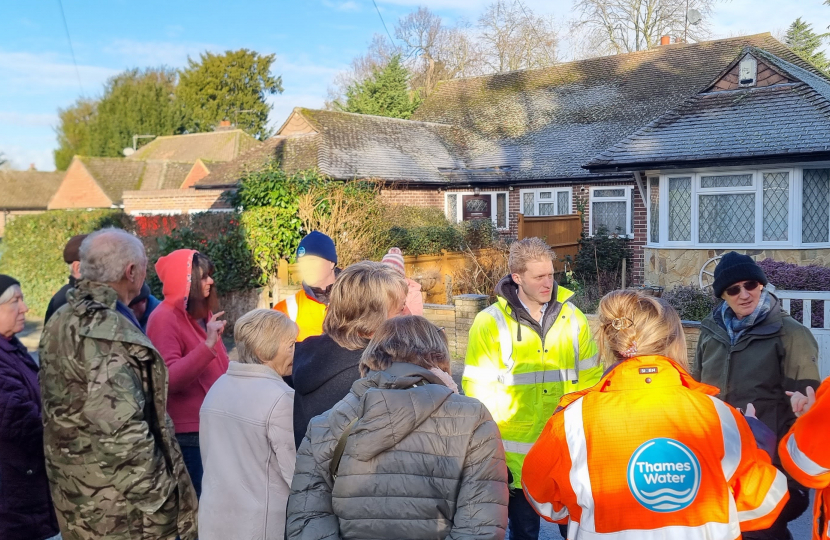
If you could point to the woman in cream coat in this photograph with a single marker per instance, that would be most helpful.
(247, 436)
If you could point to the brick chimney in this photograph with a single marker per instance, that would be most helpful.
(32, 167)
(224, 125)
(665, 40)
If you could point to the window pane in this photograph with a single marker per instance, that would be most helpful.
(452, 207)
(610, 215)
(654, 209)
(727, 219)
(726, 181)
(527, 203)
(776, 206)
(816, 206)
(547, 209)
(680, 209)
(501, 210)
(545, 194)
(631, 214)
(563, 203)
(609, 193)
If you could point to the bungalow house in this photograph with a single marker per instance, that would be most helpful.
(564, 139)
(164, 169)
(25, 192)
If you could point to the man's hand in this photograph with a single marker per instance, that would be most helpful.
(214, 329)
(801, 403)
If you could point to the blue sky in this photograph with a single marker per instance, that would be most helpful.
(313, 40)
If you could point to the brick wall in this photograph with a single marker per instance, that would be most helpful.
(422, 197)
(174, 201)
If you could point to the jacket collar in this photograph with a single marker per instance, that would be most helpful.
(252, 370)
(14, 346)
(768, 326)
(633, 374)
(508, 291)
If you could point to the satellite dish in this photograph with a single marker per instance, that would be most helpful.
(128, 151)
(693, 16)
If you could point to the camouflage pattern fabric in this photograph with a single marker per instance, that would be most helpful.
(114, 466)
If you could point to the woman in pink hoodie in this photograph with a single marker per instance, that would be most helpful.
(188, 334)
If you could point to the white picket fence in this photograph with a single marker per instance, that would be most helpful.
(822, 335)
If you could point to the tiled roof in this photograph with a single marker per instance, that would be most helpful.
(211, 146)
(20, 190)
(115, 175)
(791, 119)
(552, 121)
(164, 175)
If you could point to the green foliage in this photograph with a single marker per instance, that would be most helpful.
(272, 187)
(807, 44)
(433, 238)
(599, 259)
(384, 93)
(33, 249)
(272, 234)
(691, 303)
(231, 86)
(135, 102)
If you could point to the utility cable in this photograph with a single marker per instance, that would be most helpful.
(392, 41)
(71, 49)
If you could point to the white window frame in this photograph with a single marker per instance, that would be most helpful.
(626, 198)
(555, 191)
(794, 222)
(493, 207)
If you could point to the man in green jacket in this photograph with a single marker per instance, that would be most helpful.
(754, 353)
(114, 466)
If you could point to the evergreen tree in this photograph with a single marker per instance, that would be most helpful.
(384, 93)
(230, 86)
(806, 43)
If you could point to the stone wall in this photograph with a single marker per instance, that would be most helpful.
(669, 268)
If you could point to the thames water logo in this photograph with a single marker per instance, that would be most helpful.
(300, 252)
(664, 475)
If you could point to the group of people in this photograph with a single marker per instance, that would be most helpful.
(340, 417)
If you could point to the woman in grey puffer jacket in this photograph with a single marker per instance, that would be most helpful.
(420, 462)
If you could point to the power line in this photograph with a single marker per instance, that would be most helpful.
(71, 49)
(391, 40)
(533, 27)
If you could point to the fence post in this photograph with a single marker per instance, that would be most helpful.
(521, 226)
(467, 307)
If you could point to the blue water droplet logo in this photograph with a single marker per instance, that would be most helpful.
(664, 475)
(300, 252)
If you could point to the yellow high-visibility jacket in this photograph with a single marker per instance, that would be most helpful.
(519, 376)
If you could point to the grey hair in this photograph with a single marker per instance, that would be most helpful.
(9, 293)
(107, 252)
(260, 333)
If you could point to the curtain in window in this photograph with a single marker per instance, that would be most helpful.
(680, 209)
(654, 209)
(727, 219)
(815, 206)
(611, 215)
(776, 206)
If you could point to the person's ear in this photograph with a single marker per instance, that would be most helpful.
(517, 278)
(130, 272)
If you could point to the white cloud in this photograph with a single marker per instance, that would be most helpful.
(28, 119)
(157, 53)
(20, 157)
(36, 73)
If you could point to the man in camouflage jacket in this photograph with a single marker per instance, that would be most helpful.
(115, 468)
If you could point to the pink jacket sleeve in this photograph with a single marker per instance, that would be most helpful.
(184, 366)
(414, 300)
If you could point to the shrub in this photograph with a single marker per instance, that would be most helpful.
(429, 240)
(599, 259)
(791, 277)
(33, 249)
(691, 303)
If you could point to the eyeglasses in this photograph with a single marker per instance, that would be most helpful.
(735, 290)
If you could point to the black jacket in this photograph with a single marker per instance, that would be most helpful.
(59, 299)
(323, 374)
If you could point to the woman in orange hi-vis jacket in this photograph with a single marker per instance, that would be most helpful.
(805, 452)
(648, 453)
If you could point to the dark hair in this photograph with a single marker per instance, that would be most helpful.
(198, 306)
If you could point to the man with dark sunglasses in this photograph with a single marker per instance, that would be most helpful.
(754, 352)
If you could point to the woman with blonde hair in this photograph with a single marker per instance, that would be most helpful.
(363, 297)
(403, 455)
(246, 434)
(648, 452)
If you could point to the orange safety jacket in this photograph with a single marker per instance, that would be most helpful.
(649, 453)
(306, 311)
(805, 454)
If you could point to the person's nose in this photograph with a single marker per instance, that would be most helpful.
(744, 294)
(23, 307)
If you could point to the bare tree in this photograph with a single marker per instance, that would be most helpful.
(621, 26)
(378, 54)
(513, 37)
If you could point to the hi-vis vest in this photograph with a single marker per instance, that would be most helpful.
(648, 453)
(307, 312)
(805, 454)
(521, 382)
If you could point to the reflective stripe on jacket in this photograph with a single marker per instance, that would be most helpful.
(647, 454)
(520, 377)
(307, 312)
(805, 454)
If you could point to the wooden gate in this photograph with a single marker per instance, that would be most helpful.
(561, 233)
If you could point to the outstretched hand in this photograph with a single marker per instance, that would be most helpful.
(801, 403)
(214, 329)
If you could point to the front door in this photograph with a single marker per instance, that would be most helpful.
(476, 207)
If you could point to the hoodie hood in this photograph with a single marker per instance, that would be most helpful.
(394, 403)
(509, 291)
(175, 271)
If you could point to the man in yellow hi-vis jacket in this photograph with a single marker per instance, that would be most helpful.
(524, 353)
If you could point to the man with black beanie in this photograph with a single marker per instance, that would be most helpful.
(72, 257)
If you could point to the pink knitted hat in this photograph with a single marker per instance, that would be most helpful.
(395, 259)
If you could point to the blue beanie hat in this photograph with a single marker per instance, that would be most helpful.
(317, 244)
(734, 267)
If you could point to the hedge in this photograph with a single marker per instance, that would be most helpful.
(33, 249)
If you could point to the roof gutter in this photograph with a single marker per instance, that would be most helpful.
(710, 162)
